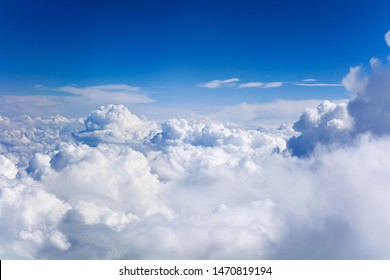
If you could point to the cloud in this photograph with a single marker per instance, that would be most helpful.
(116, 93)
(7, 168)
(186, 189)
(387, 38)
(114, 124)
(309, 80)
(370, 106)
(78, 101)
(318, 85)
(327, 124)
(261, 85)
(144, 189)
(220, 83)
(366, 113)
(252, 85)
(267, 115)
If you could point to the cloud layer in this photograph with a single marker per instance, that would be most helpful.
(114, 185)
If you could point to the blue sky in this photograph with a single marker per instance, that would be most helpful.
(170, 50)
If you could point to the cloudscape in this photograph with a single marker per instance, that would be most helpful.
(143, 130)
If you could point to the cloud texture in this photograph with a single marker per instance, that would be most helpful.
(114, 185)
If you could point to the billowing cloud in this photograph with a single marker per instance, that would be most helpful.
(187, 189)
(366, 113)
(142, 189)
(327, 124)
(370, 106)
(220, 83)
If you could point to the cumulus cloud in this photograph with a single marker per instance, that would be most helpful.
(370, 106)
(328, 123)
(367, 112)
(220, 83)
(232, 192)
(114, 123)
(115, 185)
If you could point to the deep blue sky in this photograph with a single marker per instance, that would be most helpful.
(170, 47)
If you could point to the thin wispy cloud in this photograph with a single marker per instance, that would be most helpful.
(309, 80)
(318, 85)
(220, 83)
(261, 85)
(105, 93)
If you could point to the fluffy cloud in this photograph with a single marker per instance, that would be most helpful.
(118, 186)
(334, 125)
(144, 189)
(114, 124)
(370, 107)
(387, 38)
(328, 123)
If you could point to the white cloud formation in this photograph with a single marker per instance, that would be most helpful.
(370, 106)
(7, 168)
(220, 83)
(185, 189)
(328, 123)
(230, 191)
(115, 124)
(387, 38)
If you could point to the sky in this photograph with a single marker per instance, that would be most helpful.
(194, 130)
(254, 51)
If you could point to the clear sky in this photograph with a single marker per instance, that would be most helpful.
(188, 54)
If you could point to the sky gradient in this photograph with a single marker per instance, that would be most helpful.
(169, 49)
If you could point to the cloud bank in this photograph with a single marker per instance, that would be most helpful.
(114, 185)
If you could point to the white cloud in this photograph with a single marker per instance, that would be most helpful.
(7, 168)
(268, 115)
(106, 93)
(273, 85)
(185, 189)
(370, 106)
(115, 124)
(261, 85)
(252, 85)
(318, 85)
(227, 190)
(355, 81)
(220, 83)
(387, 38)
(309, 80)
(328, 123)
